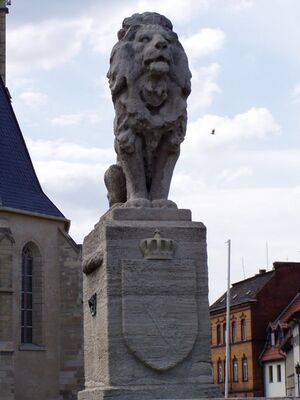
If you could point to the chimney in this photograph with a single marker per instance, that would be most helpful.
(262, 271)
(3, 12)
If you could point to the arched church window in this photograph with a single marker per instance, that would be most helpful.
(26, 296)
(31, 296)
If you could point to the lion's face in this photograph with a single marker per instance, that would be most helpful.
(148, 66)
(152, 44)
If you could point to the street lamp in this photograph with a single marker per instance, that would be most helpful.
(297, 369)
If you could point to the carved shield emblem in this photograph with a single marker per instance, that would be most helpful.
(159, 310)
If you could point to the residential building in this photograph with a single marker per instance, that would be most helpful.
(41, 331)
(254, 302)
(281, 352)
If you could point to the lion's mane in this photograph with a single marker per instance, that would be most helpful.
(126, 77)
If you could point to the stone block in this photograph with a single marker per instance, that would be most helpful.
(147, 336)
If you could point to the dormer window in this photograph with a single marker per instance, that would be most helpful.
(273, 339)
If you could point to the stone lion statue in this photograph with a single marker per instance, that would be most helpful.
(150, 81)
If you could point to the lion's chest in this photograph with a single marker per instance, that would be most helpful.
(154, 93)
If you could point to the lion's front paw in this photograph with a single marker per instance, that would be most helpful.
(138, 202)
(163, 203)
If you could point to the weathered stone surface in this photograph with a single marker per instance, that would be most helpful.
(146, 214)
(149, 80)
(159, 310)
(149, 338)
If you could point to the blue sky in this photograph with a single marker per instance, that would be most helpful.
(243, 183)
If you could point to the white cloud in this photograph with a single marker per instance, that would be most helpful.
(67, 119)
(103, 36)
(76, 119)
(254, 123)
(61, 151)
(240, 5)
(45, 45)
(296, 94)
(204, 88)
(62, 176)
(230, 175)
(102, 84)
(205, 42)
(33, 99)
(20, 83)
(181, 11)
(72, 176)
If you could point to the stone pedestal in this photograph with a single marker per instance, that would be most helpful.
(146, 322)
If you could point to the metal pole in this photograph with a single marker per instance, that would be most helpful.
(267, 255)
(298, 384)
(227, 322)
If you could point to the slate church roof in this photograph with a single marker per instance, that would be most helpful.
(19, 186)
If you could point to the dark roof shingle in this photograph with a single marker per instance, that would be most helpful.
(244, 291)
(19, 185)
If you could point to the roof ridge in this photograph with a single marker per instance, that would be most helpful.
(256, 276)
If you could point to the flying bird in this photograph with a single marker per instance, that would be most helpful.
(212, 132)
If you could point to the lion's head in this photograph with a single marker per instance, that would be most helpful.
(148, 53)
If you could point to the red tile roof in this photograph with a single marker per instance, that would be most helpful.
(273, 353)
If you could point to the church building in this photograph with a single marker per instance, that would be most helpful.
(41, 332)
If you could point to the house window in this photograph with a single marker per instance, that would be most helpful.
(245, 369)
(220, 371)
(224, 333)
(219, 341)
(31, 296)
(278, 373)
(233, 332)
(235, 369)
(26, 296)
(270, 373)
(243, 330)
(273, 339)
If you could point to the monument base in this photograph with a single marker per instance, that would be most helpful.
(146, 321)
(161, 392)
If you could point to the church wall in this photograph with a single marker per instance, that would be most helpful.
(6, 305)
(55, 304)
(71, 378)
